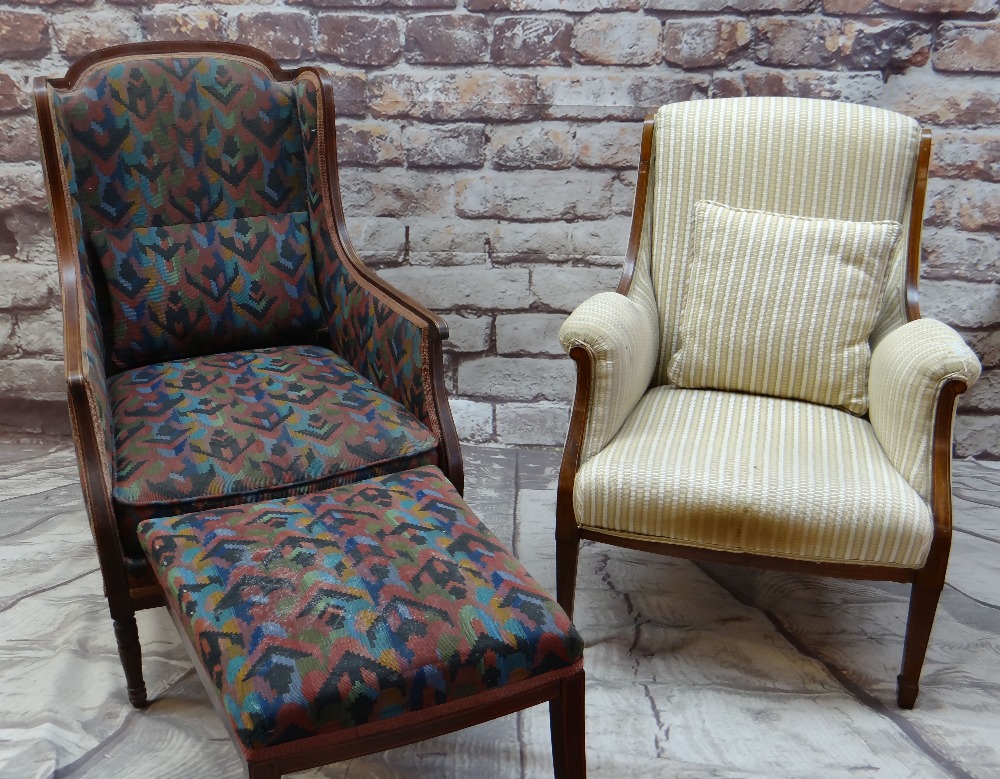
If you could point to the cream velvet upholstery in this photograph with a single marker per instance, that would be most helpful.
(813, 158)
(621, 335)
(749, 473)
(781, 305)
(909, 367)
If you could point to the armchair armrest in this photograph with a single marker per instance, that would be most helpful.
(910, 368)
(619, 336)
(385, 335)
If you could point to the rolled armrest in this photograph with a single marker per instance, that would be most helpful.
(909, 368)
(621, 335)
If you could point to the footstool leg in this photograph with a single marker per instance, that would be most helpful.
(261, 771)
(130, 653)
(567, 722)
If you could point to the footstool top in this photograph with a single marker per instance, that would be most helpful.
(321, 612)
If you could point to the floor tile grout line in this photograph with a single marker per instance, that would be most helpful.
(907, 728)
(83, 760)
(32, 526)
(43, 590)
(977, 535)
(42, 492)
(975, 600)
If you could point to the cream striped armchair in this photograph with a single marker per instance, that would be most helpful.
(760, 389)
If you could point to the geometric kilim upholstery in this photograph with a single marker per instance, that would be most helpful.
(224, 342)
(245, 426)
(760, 475)
(181, 290)
(322, 612)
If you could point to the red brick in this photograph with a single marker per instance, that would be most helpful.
(345, 4)
(447, 39)
(23, 35)
(13, 99)
(18, 139)
(851, 87)
(608, 145)
(893, 45)
(730, 6)
(531, 40)
(531, 147)
(284, 35)
(473, 94)
(605, 93)
(416, 194)
(795, 42)
(853, 7)
(618, 39)
(370, 41)
(972, 206)
(531, 196)
(967, 154)
(885, 7)
(942, 6)
(961, 256)
(198, 24)
(944, 102)
(21, 186)
(537, 6)
(54, 2)
(350, 92)
(702, 43)
(445, 146)
(82, 33)
(968, 47)
(369, 144)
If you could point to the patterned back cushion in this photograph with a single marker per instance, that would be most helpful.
(166, 149)
(812, 158)
(183, 290)
(160, 140)
(781, 305)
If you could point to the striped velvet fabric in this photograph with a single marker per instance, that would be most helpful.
(751, 473)
(621, 335)
(781, 305)
(908, 369)
(810, 158)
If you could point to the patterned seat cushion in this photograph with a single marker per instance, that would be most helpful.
(751, 473)
(244, 426)
(323, 612)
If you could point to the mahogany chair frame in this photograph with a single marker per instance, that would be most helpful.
(128, 582)
(927, 582)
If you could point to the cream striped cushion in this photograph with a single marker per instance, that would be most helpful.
(781, 305)
(818, 158)
(751, 473)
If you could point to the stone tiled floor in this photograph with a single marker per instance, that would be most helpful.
(693, 671)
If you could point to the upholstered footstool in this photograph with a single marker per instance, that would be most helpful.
(344, 622)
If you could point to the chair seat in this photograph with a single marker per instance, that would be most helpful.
(754, 474)
(251, 425)
(323, 612)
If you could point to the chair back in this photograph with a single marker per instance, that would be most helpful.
(186, 174)
(794, 156)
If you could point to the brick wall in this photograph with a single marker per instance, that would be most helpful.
(488, 149)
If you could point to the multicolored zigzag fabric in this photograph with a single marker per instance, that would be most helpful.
(182, 290)
(332, 610)
(251, 425)
(162, 140)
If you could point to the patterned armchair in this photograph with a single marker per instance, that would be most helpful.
(223, 342)
(761, 389)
